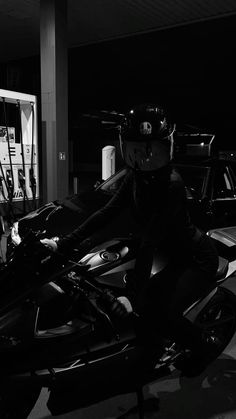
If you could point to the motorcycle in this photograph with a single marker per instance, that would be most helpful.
(57, 332)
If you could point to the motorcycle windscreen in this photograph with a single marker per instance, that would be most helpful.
(20, 280)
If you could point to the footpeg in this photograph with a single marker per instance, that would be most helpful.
(171, 354)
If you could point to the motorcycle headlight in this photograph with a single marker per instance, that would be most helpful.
(15, 237)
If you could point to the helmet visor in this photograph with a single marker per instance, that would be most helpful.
(146, 156)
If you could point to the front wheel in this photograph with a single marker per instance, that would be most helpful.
(218, 319)
(17, 403)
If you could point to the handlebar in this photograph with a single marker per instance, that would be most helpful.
(48, 266)
(103, 294)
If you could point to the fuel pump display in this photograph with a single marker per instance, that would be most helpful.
(19, 184)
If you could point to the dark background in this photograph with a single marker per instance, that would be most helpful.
(190, 70)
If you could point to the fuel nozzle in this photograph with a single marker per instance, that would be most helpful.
(1, 186)
(32, 178)
(2, 191)
(9, 181)
(21, 178)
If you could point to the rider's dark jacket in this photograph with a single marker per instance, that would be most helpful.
(159, 204)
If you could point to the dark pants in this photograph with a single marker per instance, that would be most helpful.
(169, 293)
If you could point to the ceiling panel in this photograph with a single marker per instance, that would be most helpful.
(108, 19)
(99, 20)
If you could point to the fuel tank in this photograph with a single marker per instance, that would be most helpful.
(110, 260)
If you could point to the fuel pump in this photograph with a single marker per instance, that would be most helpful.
(21, 170)
(19, 183)
(31, 172)
(9, 214)
(9, 171)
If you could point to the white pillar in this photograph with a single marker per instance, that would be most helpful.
(54, 99)
(108, 161)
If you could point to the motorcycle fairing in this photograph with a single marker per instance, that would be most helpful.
(109, 377)
(87, 360)
(118, 256)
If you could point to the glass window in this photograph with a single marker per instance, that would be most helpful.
(222, 186)
(194, 177)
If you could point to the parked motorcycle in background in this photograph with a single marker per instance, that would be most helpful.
(56, 330)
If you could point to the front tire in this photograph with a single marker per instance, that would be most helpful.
(17, 402)
(218, 318)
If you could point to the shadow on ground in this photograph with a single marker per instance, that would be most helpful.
(211, 395)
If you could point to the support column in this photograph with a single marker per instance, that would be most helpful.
(54, 99)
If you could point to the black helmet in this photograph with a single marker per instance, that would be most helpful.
(146, 138)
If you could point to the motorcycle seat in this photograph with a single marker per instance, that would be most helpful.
(222, 269)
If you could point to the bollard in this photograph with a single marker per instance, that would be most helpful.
(108, 161)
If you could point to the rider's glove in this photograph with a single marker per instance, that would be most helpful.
(120, 306)
(125, 306)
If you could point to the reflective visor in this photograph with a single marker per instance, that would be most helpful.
(145, 156)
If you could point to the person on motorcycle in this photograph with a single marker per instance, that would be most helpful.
(157, 194)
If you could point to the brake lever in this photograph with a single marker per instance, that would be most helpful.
(100, 313)
(84, 271)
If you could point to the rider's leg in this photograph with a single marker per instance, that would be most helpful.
(191, 284)
(168, 294)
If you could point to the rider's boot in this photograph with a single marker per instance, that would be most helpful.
(196, 361)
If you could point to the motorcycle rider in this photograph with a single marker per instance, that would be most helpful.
(157, 194)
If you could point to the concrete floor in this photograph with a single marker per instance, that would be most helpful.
(212, 395)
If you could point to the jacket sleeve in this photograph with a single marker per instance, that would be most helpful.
(99, 218)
